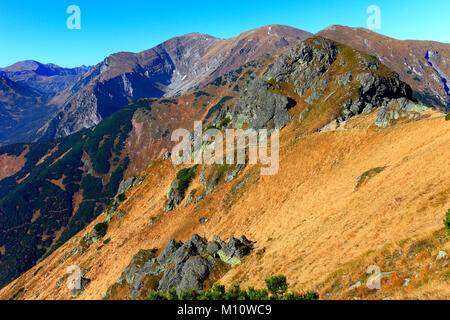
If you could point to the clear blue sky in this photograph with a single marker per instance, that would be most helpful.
(37, 29)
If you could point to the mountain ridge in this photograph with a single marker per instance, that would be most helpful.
(343, 94)
(407, 57)
(169, 69)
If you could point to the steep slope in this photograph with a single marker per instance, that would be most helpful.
(170, 69)
(309, 224)
(45, 78)
(22, 111)
(50, 190)
(424, 65)
(347, 182)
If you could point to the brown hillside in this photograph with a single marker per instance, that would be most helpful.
(348, 193)
(306, 218)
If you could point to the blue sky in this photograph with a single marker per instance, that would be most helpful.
(37, 29)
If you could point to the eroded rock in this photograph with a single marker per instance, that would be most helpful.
(182, 266)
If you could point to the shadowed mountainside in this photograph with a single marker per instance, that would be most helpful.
(45, 78)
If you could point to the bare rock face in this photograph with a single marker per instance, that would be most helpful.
(312, 69)
(374, 92)
(258, 106)
(182, 266)
(397, 109)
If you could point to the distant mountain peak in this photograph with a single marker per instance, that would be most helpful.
(169, 69)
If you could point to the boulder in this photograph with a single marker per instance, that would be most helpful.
(174, 197)
(182, 266)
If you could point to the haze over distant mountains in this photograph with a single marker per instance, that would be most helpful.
(46, 78)
(26, 91)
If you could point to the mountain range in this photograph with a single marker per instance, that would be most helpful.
(78, 98)
(100, 155)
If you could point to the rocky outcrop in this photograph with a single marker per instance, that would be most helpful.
(305, 66)
(261, 108)
(174, 197)
(374, 92)
(398, 109)
(124, 186)
(182, 266)
(424, 65)
(128, 183)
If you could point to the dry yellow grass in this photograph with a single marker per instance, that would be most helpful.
(306, 217)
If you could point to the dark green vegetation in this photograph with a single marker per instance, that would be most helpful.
(447, 220)
(201, 93)
(18, 292)
(218, 106)
(122, 197)
(33, 212)
(37, 271)
(447, 117)
(277, 285)
(101, 229)
(184, 177)
(276, 290)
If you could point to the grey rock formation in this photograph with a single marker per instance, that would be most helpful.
(305, 65)
(128, 183)
(182, 266)
(174, 197)
(345, 79)
(261, 108)
(124, 186)
(190, 197)
(83, 283)
(232, 174)
(166, 155)
(397, 109)
(210, 181)
(374, 92)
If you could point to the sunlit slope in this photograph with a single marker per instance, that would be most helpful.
(307, 221)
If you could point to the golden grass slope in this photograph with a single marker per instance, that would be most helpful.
(306, 220)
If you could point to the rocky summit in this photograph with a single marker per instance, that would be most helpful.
(422, 64)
